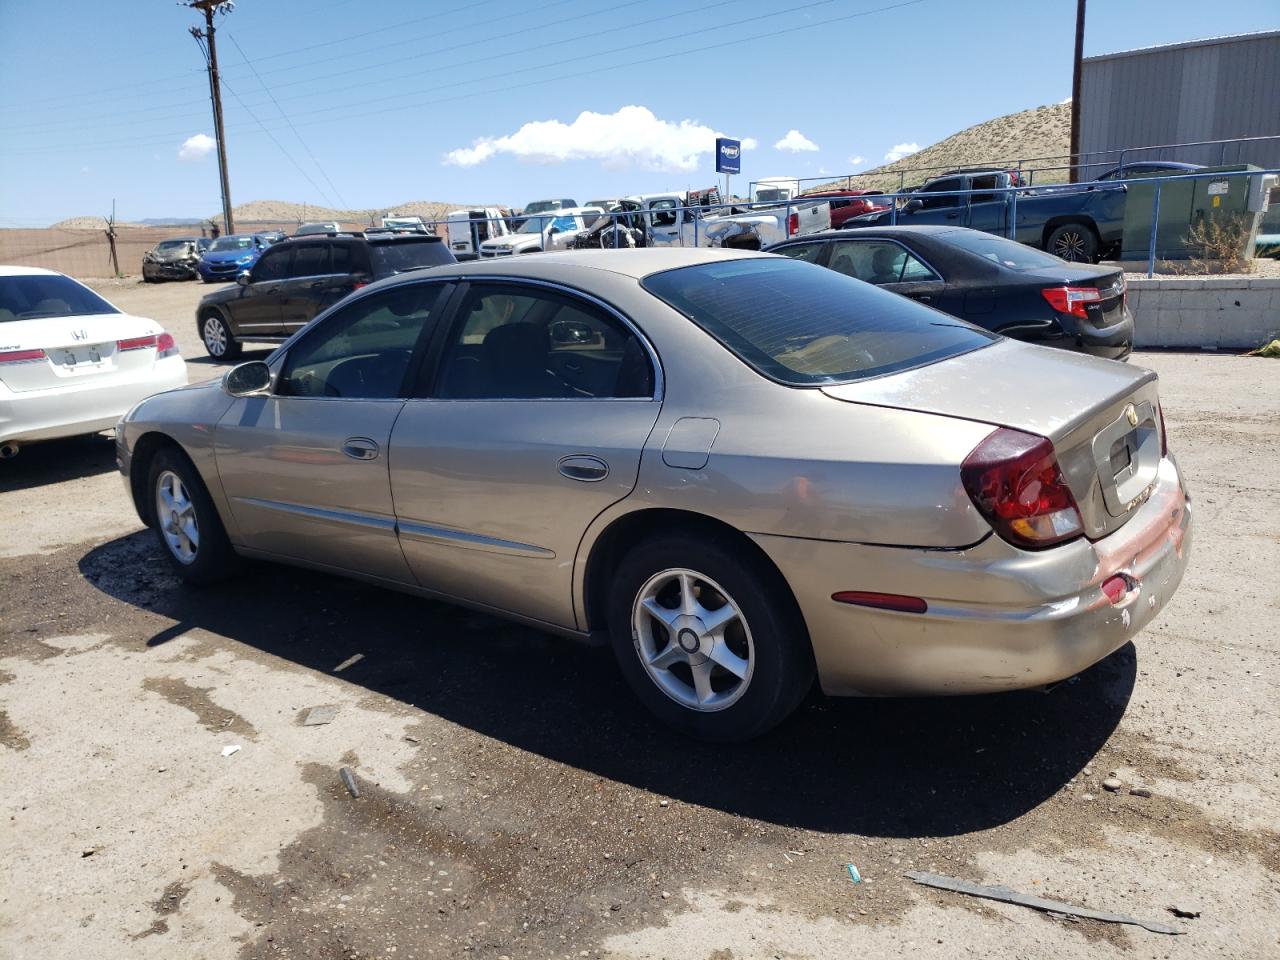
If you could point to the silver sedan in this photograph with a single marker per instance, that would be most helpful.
(742, 471)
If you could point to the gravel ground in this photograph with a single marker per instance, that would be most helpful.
(514, 801)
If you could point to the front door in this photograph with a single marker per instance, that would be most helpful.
(532, 425)
(664, 222)
(256, 311)
(306, 468)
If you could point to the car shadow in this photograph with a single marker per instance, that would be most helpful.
(890, 768)
(55, 461)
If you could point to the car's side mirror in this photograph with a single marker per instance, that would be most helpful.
(243, 278)
(249, 379)
(913, 205)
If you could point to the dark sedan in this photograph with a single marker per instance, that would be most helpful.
(1003, 286)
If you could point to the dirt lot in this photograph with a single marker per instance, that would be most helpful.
(514, 801)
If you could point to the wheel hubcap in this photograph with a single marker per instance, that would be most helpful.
(177, 517)
(692, 640)
(215, 337)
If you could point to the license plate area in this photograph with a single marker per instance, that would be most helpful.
(1127, 456)
(81, 358)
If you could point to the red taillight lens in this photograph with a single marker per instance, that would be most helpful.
(358, 284)
(136, 343)
(1014, 479)
(1072, 300)
(884, 601)
(166, 346)
(793, 224)
(21, 356)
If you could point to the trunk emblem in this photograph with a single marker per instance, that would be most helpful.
(79, 334)
(1131, 414)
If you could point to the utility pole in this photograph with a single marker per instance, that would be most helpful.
(1075, 94)
(205, 40)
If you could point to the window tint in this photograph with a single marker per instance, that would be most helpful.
(877, 261)
(397, 256)
(310, 260)
(804, 325)
(985, 182)
(273, 265)
(341, 258)
(523, 343)
(807, 252)
(933, 203)
(363, 350)
(42, 295)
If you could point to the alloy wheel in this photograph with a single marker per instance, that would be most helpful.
(1070, 246)
(693, 640)
(215, 337)
(176, 515)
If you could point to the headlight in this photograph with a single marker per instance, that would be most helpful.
(246, 258)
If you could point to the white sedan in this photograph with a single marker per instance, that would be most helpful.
(70, 362)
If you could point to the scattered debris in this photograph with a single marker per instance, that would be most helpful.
(412, 739)
(664, 803)
(854, 875)
(349, 781)
(1184, 911)
(1139, 792)
(1112, 783)
(228, 751)
(1271, 349)
(91, 851)
(351, 661)
(1005, 895)
(318, 715)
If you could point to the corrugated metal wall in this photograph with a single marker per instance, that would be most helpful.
(1212, 90)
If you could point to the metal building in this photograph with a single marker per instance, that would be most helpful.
(1215, 89)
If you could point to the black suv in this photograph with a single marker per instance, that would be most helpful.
(295, 279)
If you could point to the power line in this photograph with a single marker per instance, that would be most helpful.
(286, 119)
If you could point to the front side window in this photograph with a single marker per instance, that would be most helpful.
(877, 261)
(806, 326)
(512, 342)
(363, 350)
(934, 202)
(273, 265)
(31, 296)
(663, 213)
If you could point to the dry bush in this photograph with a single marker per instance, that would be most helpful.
(1217, 244)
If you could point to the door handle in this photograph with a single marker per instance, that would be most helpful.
(584, 468)
(316, 285)
(360, 448)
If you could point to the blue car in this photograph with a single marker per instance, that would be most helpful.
(228, 257)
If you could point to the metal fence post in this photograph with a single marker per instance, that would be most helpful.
(695, 230)
(786, 224)
(1013, 215)
(893, 210)
(542, 234)
(1155, 223)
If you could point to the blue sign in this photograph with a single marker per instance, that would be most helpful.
(728, 155)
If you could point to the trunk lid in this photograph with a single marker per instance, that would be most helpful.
(1101, 416)
(1109, 282)
(71, 351)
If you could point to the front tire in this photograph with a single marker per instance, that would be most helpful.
(1073, 242)
(218, 339)
(709, 639)
(186, 523)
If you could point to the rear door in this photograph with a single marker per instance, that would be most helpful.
(257, 309)
(309, 280)
(532, 425)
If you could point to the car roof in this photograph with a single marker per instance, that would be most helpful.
(16, 271)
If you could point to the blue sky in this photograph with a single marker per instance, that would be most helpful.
(400, 100)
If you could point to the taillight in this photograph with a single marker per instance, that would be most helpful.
(21, 356)
(1014, 480)
(166, 346)
(793, 224)
(358, 284)
(1072, 300)
(1164, 434)
(136, 343)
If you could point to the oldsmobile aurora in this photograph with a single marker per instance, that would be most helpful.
(740, 469)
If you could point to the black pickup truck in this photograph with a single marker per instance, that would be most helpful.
(1080, 222)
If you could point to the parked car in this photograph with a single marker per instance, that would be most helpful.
(312, 229)
(768, 471)
(468, 229)
(70, 362)
(1078, 222)
(271, 236)
(846, 204)
(1149, 168)
(689, 220)
(541, 206)
(553, 231)
(296, 279)
(230, 255)
(1002, 286)
(173, 259)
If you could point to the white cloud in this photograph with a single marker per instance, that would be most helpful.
(795, 142)
(900, 150)
(823, 172)
(196, 147)
(632, 136)
(857, 160)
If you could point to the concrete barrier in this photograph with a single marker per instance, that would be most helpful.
(1216, 312)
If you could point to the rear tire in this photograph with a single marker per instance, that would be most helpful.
(1074, 242)
(185, 521)
(218, 339)
(709, 638)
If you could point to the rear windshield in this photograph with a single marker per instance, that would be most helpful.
(1007, 253)
(409, 254)
(32, 296)
(805, 325)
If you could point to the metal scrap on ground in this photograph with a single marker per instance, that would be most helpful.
(349, 782)
(1005, 895)
(318, 715)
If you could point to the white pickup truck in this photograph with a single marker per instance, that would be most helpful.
(467, 230)
(555, 230)
(665, 222)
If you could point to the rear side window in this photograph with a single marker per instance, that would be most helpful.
(410, 254)
(35, 295)
(933, 203)
(804, 325)
(341, 258)
(808, 252)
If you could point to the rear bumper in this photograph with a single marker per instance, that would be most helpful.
(998, 618)
(68, 411)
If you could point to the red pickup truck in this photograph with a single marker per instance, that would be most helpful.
(848, 203)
